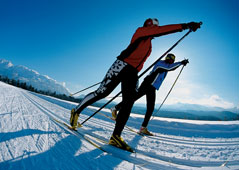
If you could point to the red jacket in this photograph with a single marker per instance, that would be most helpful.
(140, 46)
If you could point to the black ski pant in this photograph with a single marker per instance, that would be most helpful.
(119, 72)
(145, 89)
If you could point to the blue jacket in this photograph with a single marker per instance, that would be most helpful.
(160, 71)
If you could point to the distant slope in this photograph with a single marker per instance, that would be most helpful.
(31, 77)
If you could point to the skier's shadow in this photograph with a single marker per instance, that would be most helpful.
(30, 158)
(65, 154)
(24, 132)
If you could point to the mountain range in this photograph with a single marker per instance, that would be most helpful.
(31, 77)
(183, 111)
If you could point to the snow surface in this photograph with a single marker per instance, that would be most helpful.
(30, 139)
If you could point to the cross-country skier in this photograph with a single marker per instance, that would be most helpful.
(124, 70)
(151, 83)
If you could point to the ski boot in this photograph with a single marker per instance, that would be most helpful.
(144, 131)
(118, 142)
(74, 119)
(114, 113)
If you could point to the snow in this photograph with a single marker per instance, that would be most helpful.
(30, 139)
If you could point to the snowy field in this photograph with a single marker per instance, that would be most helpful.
(30, 139)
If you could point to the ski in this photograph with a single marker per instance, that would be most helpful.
(72, 131)
(103, 145)
(88, 137)
(101, 140)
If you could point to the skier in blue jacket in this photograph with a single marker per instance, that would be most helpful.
(151, 83)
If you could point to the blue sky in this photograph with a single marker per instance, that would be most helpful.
(76, 42)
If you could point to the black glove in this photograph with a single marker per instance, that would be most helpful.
(185, 62)
(192, 26)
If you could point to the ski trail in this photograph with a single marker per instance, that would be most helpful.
(93, 130)
(173, 160)
(26, 134)
(18, 120)
(29, 139)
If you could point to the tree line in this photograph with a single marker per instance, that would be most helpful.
(24, 85)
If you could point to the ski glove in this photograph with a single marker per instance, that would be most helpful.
(185, 62)
(192, 26)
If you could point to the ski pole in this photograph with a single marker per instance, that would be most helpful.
(101, 107)
(139, 75)
(84, 89)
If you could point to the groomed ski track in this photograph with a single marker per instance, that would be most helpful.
(30, 139)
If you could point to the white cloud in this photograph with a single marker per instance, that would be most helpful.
(186, 92)
(213, 101)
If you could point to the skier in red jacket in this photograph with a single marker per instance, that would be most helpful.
(125, 71)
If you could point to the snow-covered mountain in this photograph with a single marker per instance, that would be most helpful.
(31, 77)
